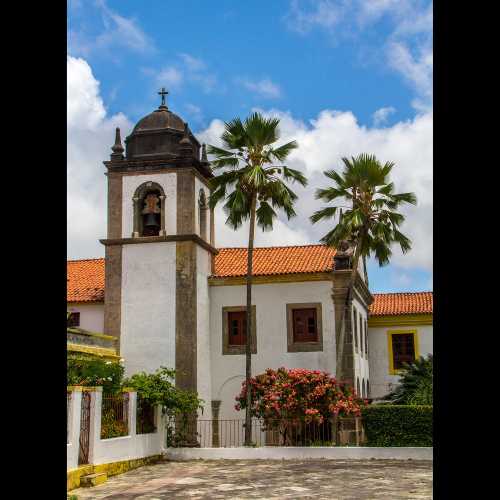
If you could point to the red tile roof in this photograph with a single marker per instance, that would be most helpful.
(267, 261)
(85, 280)
(396, 304)
(86, 277)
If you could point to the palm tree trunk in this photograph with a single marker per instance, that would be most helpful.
(248, 352)
(350, 288)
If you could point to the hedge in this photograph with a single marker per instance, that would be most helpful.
(398, 425)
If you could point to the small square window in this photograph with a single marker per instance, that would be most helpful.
(234, 330)
(403, 348)
(304, 328)
(237, 327)
(304, 325)
(74, 319)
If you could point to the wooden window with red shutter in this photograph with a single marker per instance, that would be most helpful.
(403, 349)
(237, 327)
(305, 326)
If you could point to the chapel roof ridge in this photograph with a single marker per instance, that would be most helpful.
(402, 293)
(89, 259)
(276, 246)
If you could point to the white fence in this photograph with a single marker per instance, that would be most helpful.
(102, 451)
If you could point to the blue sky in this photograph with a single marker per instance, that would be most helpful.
(345, 76)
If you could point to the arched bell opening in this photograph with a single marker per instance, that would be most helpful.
(202, 213)
(149, 210)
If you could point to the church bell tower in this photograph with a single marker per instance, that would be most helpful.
(159, 249)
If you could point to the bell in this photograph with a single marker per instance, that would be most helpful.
(151, 221)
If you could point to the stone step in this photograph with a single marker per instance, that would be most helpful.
(93, 479)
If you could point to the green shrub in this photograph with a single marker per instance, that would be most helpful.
(393, 425)
(415, 383)
(95, 372)
(112, 427)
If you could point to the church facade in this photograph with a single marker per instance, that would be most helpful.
(171, 298)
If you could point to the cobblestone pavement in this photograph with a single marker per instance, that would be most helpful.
(248, 479)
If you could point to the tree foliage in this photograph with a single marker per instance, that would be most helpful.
(309, 395)
(415, 384)
(370, 217)
(252, 184)
(87, 371)
(159, 388)
(250, 166)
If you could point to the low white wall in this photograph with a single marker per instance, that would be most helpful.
(300, 453)
(102, 451)
(134, 445)
(73, 430)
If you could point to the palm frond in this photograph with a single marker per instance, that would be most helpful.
(324, 213)
(281, 153)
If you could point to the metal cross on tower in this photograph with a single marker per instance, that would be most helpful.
(163, 93)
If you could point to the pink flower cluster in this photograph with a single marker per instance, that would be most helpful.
(299, 393)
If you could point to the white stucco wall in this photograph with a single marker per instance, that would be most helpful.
(204, 382)
(168, 181)
(381, 379)
(361, 365)
(228, 371)
(91, 315)
(148, 306)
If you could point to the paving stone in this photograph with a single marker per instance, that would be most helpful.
(242, 479)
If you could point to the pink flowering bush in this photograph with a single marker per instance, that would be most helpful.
(307, 395)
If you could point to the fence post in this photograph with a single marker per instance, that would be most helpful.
(334, 423)
(215, 423)
(160, 427)
(356, 424)
(95, 422)
(73, 424)
(132, 412)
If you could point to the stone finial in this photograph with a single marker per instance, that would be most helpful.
(117, 147)
(185, 143)
(343, 256)
(204, 158)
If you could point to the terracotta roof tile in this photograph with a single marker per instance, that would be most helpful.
(86, 277)
(85, 280)
(267, 261)
(395, 304)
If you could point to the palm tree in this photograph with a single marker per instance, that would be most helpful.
(368, 223)
(415, 385)
(252, 186)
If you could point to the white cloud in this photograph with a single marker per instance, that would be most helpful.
(192, 63)
(380, 116)
(263, 88)
(170, 77)
(407, 47)
(324, 13)
(188, 69)
(195, 112)
(417, 69)
(322, 144)
(90, 135)
(117, 31)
